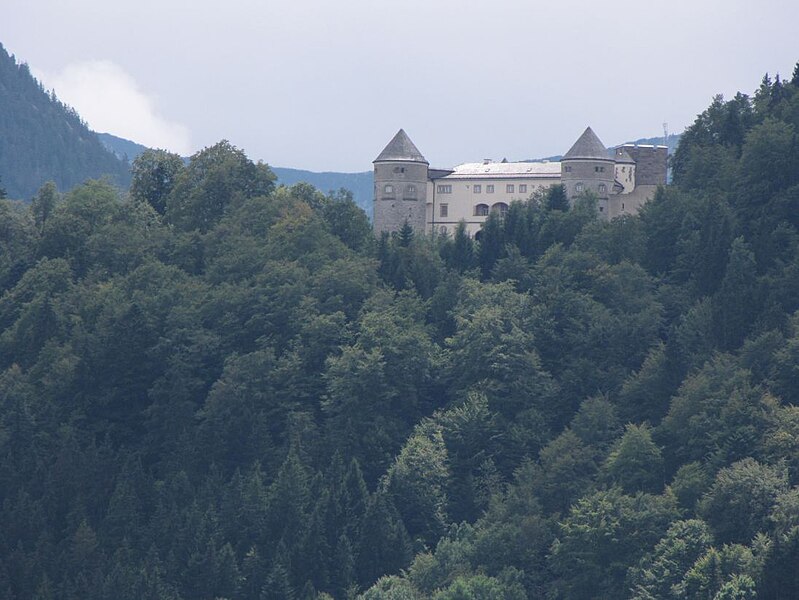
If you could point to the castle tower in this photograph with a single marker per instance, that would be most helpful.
(588, 167)
(400, 186)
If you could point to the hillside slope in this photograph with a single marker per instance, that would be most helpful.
(42, 139)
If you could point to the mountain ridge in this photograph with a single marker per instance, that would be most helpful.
(42, 139)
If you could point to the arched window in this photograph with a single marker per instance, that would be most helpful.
(481, 210)
(389, 189)
(410, 191)
(443, 230)
(578, 188)
(602, 188)
(501, 207)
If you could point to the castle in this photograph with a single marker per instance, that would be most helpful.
(436, 200)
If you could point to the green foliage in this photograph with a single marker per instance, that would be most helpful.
(212, 388)
(742, 497)
(635, 462)
(153, 176)
(217, 180)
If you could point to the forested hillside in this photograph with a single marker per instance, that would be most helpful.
(361, 185)
(42, 139)
(217, 388)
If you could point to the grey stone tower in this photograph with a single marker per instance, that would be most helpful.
(588, 167)
(400, 186)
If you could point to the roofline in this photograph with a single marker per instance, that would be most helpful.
(609, 159)
(402, 160)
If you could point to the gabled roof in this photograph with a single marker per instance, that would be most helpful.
(401, 148)
(588, 146)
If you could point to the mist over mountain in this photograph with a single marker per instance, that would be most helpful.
(42, 139)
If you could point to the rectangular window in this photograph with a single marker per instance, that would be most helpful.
(444, 189)
(477, 188)
(509, 188)
(522, 188)
(443, 210)
(490, 189)
(567, 169)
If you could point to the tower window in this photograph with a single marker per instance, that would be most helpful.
(602, 188)
(444, 189)
(578, 188)
(389, 189)
(509, 188)
(443, 210)
(410, 191)
(599, 169)
(477, 188)
(568, 169)
(490, 189)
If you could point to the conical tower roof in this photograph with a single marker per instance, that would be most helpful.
(588, 146)
(401, 148)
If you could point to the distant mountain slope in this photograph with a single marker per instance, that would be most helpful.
(672, 142)
(122, 148)
(360, 184)
(42, 139)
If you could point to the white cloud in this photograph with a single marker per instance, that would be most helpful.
(110, 100)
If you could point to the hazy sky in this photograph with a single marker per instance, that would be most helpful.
(324, 85)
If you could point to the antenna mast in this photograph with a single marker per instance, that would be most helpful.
(665, 134)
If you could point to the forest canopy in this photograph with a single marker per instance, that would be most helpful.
(213, 387)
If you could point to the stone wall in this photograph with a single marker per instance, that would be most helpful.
(651, 164)
(584, 171)
(405, 199)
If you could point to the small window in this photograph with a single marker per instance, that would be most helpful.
(389, 189)
(410, 191)
(601, 209)
(602, 188)
(399, 169)
(568, 169)
(522, 188)
(477, 188)
(444, 189)
(578, 188)
(443, 210)
(599, 169)
(622, 205)
(490, 189)
(509, 188)
(481, 210)
(443, 230)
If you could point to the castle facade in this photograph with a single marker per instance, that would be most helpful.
(436, 200)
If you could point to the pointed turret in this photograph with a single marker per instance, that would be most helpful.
(587, 146)
(401, 148)
(588, 168)
(401, 176)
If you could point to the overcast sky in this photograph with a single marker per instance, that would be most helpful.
(324, 85)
